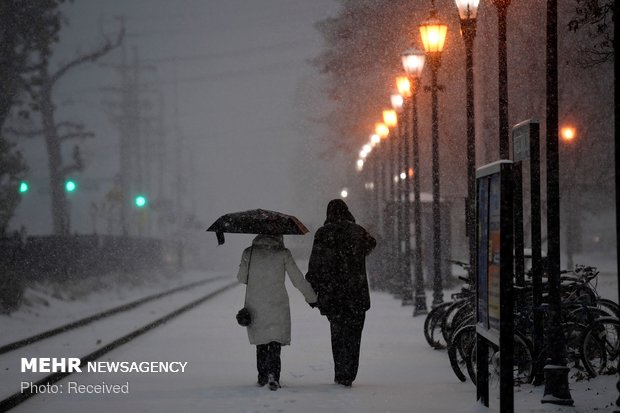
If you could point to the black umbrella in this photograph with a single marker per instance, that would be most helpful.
(256, 221)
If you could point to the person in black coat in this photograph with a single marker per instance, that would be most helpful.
(337, 272)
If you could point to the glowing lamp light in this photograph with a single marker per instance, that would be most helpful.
(568, 133)
(360, 164)
(375, 139)
(70, 186)
(433, 34)
(23, 187)
(468, 9)
(395, 178)
(344, 193)
(397, 102)
(413, 62)
(404, 86)
(390, 118)
(403, 176)
(140, 201)
(367, 148)
(410, 172)
(363, 154)
(382, 130)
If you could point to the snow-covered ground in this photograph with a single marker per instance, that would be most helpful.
(47, 305)
(398, 371)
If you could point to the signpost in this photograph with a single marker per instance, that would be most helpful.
(494, 273)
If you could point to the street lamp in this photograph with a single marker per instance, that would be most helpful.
(382, 130)
(413, 63)
(468, 10)
(397, 101)
(376, 177)
(390, 119)
(568, 133)
(433, 34)
(556, 372)
(404, 86)
(502, 61)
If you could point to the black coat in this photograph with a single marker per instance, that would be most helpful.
(337, 268)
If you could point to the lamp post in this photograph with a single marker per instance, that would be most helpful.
(404, 88)
(556, 371)
(468, 10)
(433, 34)
(568, 135)
(388, 195)
(376, 177)
(413, 63)
(502, 61)
(390, 119)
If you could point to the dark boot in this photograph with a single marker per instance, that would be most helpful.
(273, 383)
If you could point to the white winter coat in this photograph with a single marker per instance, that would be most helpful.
(267, 299)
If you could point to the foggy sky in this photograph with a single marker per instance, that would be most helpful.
(246, 97)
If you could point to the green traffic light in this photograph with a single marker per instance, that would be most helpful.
(140, 201)
(70, 186)
(23, 187)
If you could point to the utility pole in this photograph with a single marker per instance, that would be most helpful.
(178, 205)
(135, 155)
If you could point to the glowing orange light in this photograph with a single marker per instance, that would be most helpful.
(410, 172)
(390, 118)
(404, 86)
(433, 34)
(382, 130)
(568, 133)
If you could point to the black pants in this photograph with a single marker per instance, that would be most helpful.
(268, 361)
(346, 331)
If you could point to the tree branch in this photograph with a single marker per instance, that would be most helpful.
(70, 125)
(70, 169)
(78, 163)
(89, 57)
(76, 135)
(24, 133)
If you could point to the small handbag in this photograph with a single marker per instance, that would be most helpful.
(244, 318)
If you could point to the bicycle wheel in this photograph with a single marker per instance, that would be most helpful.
(609, 306)
(446, 322)
(459, 351)
(523, 361)
(599, 349)
(432, 326)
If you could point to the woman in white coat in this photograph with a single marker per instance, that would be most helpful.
(262, 268)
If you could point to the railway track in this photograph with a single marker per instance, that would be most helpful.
(101, 315)
(20, 397)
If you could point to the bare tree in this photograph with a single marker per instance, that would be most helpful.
(596, 18)
(58, 133)
(27, 31)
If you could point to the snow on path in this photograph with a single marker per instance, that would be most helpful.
(398, 371)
